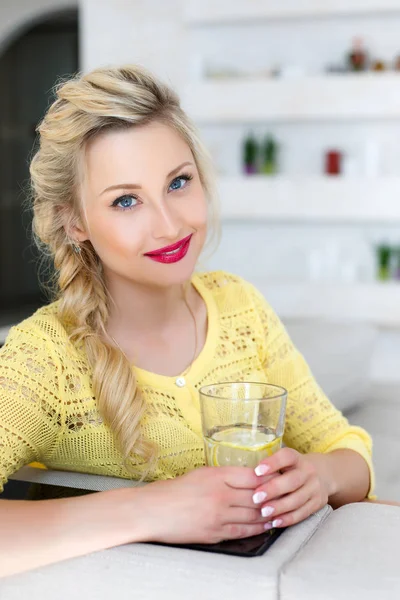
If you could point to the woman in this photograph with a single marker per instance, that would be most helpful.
(105, 379)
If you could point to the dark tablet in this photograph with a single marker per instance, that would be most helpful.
(251, 546)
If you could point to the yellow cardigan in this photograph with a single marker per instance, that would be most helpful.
(48, 412)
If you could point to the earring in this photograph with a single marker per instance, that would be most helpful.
(77, 248)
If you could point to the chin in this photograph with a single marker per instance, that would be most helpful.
(173, 274)
(162, 275)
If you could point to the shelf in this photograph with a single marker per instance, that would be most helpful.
(316, 199)
(326, 97)
(375, 303)
(210, 12)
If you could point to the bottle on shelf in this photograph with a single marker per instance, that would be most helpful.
(357, 59)
(250, 154)
(333, 162)
(384, 253)
(269, 164)
(378, 65)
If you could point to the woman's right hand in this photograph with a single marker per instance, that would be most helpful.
(206, 505)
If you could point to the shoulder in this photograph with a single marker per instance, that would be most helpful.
(233, 290)
(43, 329)
(222, 281)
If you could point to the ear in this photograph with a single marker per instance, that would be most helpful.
(75, 229)
(76, 232)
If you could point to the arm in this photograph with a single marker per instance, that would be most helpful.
(38, 533)
(206, 505)
(313, 425)
(328, 460)
(346, 474)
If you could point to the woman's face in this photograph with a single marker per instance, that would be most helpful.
(142, 193)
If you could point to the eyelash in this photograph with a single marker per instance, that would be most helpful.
(186, 176)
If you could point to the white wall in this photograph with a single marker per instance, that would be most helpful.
(147, 32)
(17, 15)
(152, 32)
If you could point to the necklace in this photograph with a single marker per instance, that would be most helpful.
(180, 380)
(186, 371)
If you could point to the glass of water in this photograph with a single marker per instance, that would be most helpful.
(242, 422)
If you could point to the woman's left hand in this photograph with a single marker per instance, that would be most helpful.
(298, 487)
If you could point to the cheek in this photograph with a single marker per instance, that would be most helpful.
(118, 234)
(197, 212)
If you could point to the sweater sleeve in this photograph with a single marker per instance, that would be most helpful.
(312, 424)
(29, 400)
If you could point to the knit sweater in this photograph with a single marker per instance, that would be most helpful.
(49, 414)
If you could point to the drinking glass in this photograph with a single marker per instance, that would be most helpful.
(242, 422)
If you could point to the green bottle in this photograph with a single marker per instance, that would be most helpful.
(250, 154)
(270, 156)
(384, 252)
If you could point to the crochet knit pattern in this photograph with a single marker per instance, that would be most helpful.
(48, 412)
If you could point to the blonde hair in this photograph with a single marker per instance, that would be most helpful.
(107, 98)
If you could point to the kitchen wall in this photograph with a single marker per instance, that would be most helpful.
(148, 32)
(153, 33)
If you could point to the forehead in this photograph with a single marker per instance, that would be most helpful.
(135, 151)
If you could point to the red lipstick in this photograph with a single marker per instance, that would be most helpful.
(173, 253)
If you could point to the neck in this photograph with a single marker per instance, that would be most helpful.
(142, 308)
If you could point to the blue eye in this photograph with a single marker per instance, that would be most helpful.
(180, 182)
(125, 202)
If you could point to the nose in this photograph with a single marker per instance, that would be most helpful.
(166, 223)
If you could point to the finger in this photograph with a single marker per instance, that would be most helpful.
(284, 484)
(283, 459)
(288, 503)
(241, 498)
(296, 516)
(239, 477)
(238, 531)
(245, 497)
(244, 516)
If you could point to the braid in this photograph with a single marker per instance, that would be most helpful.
(84, 106)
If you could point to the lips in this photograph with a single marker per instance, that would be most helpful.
(171, 254)
(172, 248)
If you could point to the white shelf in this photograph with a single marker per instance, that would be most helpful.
(212, 12)
(316, 199)
(326, 97)
(376, 303)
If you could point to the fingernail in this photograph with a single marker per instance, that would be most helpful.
(259, 497)
(266, 511)
(277, 523)
(267, 526)
(261, 470)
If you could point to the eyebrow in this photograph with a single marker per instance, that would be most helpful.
(136, 186)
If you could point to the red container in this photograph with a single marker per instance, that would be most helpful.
(333, 162)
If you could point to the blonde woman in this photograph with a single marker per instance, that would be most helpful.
(105, 378)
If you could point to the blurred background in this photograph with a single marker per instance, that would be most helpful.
(299, 104)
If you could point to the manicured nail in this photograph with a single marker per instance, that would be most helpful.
(267, 526)
(261, 470)
(266, 511)
(259, 497)
(277, 523)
